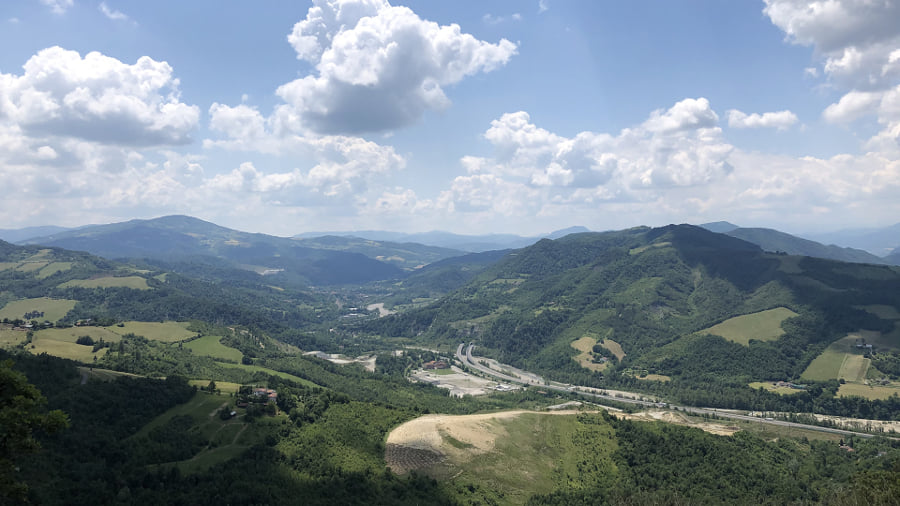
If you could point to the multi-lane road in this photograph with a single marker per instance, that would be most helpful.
(464, 355)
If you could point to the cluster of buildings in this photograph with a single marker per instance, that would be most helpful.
(436, 364)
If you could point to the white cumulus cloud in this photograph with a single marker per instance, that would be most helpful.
(780, 120)
(97, 98)
(379, 67)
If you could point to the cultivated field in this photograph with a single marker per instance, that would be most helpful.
(212, 347)
(167, 332)
(762, 326)
(54, 309)
(135, 282)
(840, 360)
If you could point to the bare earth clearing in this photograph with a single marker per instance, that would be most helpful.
(429, 440)
(459, 382)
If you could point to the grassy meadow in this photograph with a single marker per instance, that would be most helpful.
(135, 282)
(167, 332)
(212, 347)
(54, 309)
(762, 326)
(257, 368)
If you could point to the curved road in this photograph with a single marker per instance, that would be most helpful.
(469, 361)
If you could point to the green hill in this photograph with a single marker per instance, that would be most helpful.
(652, 291)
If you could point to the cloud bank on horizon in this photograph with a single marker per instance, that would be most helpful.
(364, 114)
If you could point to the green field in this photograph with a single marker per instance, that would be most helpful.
(53, 268)
(762, 326)
(62, 349)
(54, 309)
(202, 408)
(869, 392)
(256, 368)
(167, 332)
(70, 334)
(135, 282)
(826, 366)
(212, 347)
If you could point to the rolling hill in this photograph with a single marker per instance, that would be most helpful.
(176, 239)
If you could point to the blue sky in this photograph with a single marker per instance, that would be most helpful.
(473, 117)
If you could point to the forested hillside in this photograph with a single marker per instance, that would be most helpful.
(653, 293)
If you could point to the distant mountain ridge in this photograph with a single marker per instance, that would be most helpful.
(21, 234)
(777, 241)
(881, 241)
(187, 239)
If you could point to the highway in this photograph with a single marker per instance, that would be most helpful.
(464, 355)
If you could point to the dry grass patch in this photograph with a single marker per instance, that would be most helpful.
(10, 338)
(614, 347)
(771, 387)
(62, 349)
(585, 359)
(869, 391)
(656, 377)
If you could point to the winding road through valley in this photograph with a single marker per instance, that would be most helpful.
(464, 355)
